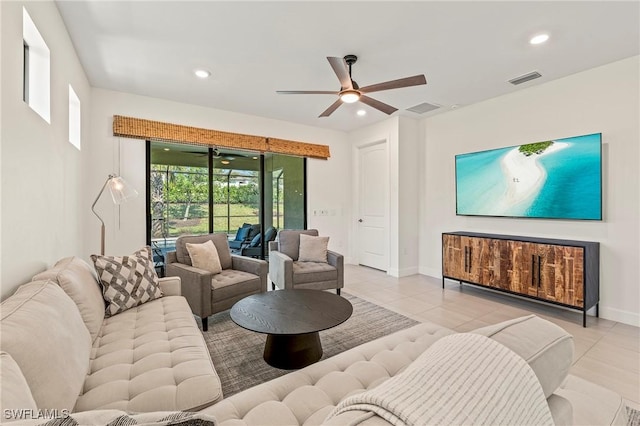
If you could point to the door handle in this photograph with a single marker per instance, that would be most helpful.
(539, 276)
(466, 259)
(533, 265)
(360, 220)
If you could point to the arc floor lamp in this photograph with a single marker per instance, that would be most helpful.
(120, 192)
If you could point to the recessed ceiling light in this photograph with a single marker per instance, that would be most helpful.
(225, 161)
(167, 149)
(255, 158)
(539, 39)
(361, 112)
(200, 73)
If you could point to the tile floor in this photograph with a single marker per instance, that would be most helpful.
(606, 352)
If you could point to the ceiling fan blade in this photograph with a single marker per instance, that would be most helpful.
(340, 68)
(307, 92)
(334, 106)
(416, 80)
(381, 106)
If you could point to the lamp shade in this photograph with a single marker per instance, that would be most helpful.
(120, 190)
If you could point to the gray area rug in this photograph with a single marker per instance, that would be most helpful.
(237, 353)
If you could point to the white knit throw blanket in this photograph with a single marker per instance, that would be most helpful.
(462, 379)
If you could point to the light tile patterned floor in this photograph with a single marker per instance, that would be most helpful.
(607, 352)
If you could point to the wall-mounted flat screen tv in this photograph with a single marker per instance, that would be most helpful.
(555, 179)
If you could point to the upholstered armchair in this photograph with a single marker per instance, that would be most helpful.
(207, 292)
(286, 271)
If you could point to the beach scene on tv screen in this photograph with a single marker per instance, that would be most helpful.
(557, 179)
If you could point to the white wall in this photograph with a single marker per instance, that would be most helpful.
(604, 99)
(125, 224)
(43, 204)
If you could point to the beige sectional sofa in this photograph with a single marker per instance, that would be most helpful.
(307, 396)
(60, 353)
(148, 358)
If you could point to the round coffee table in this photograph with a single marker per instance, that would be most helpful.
(291, 319)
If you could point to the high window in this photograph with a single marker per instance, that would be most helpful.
(37, 80)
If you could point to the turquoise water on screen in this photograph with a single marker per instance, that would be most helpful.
(572, 189)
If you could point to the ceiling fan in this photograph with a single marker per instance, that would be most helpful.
(350, 91)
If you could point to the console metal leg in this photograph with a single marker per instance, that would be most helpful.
(205, 324)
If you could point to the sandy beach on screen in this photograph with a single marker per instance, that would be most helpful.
(525, 176)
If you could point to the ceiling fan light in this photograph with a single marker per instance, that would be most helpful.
(349, 96)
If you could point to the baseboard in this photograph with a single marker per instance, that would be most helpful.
(350, 260)
(402, 272)
(436, 273)
(626, 317)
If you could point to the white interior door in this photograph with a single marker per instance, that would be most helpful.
(373, 199)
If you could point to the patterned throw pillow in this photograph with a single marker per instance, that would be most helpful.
(127, 281)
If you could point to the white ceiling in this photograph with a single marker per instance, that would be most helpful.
(467, 50)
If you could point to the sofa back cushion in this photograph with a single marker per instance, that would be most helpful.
(78, 279)
(289, 241)
(219, 240)
(14, 390)
(43, 330)
(545, 346)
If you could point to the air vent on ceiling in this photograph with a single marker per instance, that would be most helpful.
(423, 108)
(524, 78)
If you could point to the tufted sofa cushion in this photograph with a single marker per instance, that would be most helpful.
(78, 279)
(547, 348)
(43, 331)
(14, 389)
(308, 395)
(151, 357)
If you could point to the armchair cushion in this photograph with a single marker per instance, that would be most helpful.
(313, 249)
(219, 239)
(289, 241)
(309, 272)
(127, 281)
(205, 256)
(231, 282)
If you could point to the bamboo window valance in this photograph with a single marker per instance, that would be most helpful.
(138, 128)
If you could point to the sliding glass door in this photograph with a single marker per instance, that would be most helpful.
(198, 190)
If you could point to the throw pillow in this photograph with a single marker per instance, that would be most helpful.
(313, 249)
(243, 233)
(205, 256)
(127, 281)
(256, 241)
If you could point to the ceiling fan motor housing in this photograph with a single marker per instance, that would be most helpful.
(350, 59)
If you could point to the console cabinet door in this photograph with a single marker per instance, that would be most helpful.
(454, 256)
(495, 263)
(469, 259)
(561, 277)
